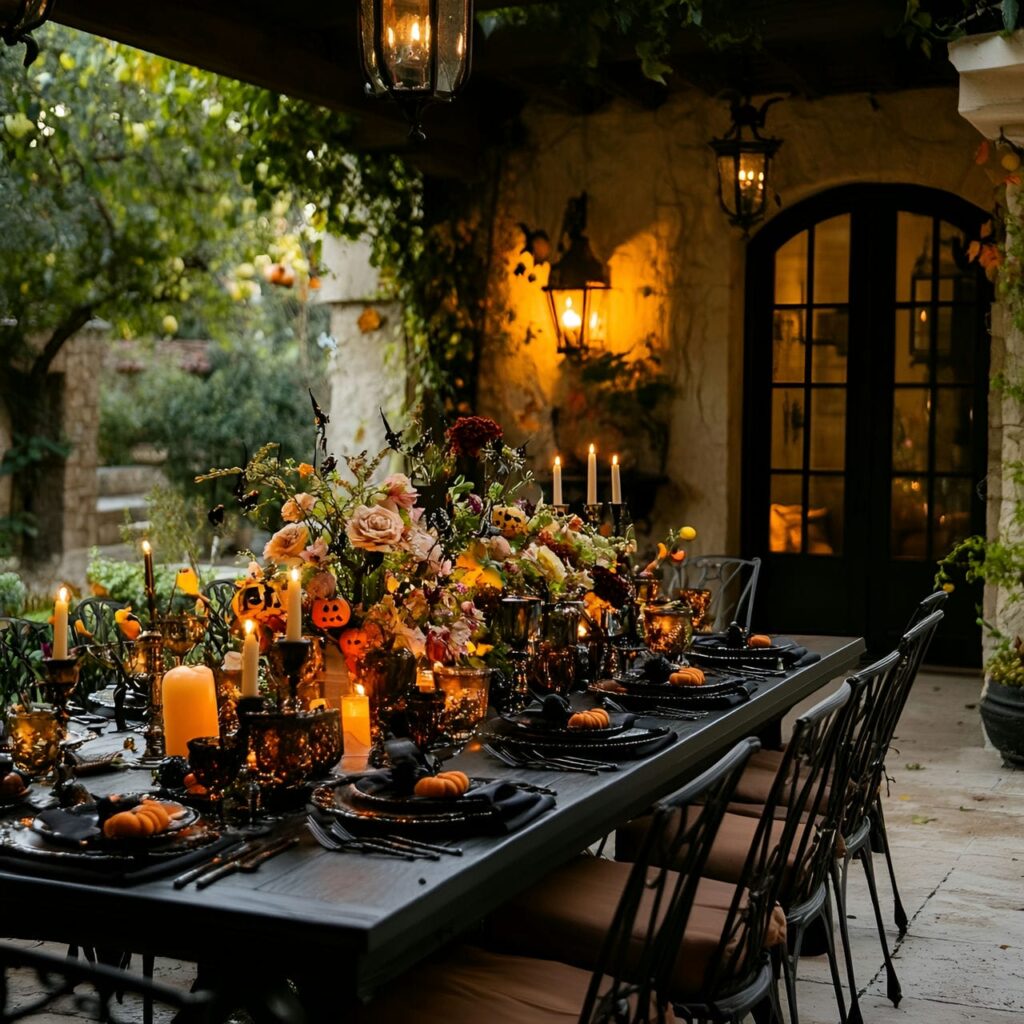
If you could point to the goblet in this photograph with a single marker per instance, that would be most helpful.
(215, 763)
(519, 620)
(180, 633)
(668, 628)
(699, 602)
(282, 747)
(309, 682)
(34, 735)
(557, 658)
(61, 679)
(325, 738)
(387, 676)
(466, 693)
(293, 654)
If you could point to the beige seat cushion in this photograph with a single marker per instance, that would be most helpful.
(470, 985)
(568, 914)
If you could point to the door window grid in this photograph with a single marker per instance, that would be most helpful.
(814, 472)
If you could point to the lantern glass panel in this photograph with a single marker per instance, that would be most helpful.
(369, 50)
(406, 43)
(453, 41)
(570, 310)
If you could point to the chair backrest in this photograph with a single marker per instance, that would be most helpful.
(21, 655)
(634, 988)
(797, 795)
(932, 603)
(884, 687)
(220, 594)
(96, 614)
(733, 586)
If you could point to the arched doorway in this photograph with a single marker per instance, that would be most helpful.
(865, 416)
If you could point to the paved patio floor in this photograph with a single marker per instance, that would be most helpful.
(956, 820)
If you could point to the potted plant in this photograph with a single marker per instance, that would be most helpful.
(1002, 706)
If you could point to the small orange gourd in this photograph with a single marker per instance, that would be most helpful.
(688, 676)
(759, 640)
(596, 718)
(443, 786)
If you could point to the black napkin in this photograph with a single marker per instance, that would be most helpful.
(535, 712)
(108, 870)
(792, 655)
(684, 698)
(608, 748)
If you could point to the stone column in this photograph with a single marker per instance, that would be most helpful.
(367, 370)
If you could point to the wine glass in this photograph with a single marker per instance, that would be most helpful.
(466, 696)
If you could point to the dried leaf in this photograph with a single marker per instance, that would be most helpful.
(986, 229)
(369, 320)
(914, 766)
(921, 819)
(981, 156)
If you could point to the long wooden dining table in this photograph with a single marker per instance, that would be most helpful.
(357, 921)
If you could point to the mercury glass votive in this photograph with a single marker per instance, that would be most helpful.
(466, 695)
(699, 603)
(282, 744)
(325, 738)
(668, 628)
(34, 735)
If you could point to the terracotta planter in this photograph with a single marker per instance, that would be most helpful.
(1002, 712)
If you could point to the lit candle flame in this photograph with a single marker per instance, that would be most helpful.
(414, 33)
(249, 626)
(62, 594)
(360, 689)
(558, 460)
(592, 449)
(571, 320)
(615, 460)
(295, 575)
(145, 547)
(391, 37)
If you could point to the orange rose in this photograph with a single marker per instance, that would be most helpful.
(288, 543)
(297, 508)
(305, 469)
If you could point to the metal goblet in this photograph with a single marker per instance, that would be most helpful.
(519, 621)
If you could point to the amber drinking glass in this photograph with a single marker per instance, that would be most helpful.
(34, 736)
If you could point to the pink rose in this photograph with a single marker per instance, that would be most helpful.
(376, 528)
(287, 544)
(399, 492)
(498, 548)
(322, 587)
(297, 508)
(316, 552)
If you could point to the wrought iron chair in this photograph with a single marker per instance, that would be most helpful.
(637, 957)
(733, 586)
(21, 654)
(887, 683)
(220, 594)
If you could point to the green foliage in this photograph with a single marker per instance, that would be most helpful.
(1006, 667)
(125, 581)
(13, 594)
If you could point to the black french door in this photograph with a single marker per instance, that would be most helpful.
(865, 416)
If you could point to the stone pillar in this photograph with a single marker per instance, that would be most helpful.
(367, 371)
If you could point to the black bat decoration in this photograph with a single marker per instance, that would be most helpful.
(216, 515)
(393, 438)
(249, 501)
(328, 464)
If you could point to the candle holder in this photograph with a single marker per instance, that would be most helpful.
(310, 686)
(668, 628)
(519, 620)
(180, 633)
(594, 514)
(148, 666)
(61, 680)
(293, 657)
(622, 519)
(559, 510)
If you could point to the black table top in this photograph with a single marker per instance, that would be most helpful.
(365, 919)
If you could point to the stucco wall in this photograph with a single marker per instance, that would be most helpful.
(677, 267)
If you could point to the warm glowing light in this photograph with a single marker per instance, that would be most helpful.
(558, 460)
(295, 575)
(594, 321)
(460, 45)
(615, 460)
(581, 630)
(571, 320)
(592, 449)
(249, 626)
(414, 32)
(391, 37)
(62, 594)
(360, 689)
(145, 547)
(924, 316)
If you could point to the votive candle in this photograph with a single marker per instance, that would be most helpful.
(355, 722)
(293, 624)
(250, 661)
(190, 707)
(60, 624)
(616, 482)
(592, 477)
(556, 482)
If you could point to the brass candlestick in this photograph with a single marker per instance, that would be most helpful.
(622, 520)
(293, 656)
(61, 680)
(559, 510)
(148, 669)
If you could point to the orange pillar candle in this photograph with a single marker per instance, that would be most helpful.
(190, 707)
(355, 722)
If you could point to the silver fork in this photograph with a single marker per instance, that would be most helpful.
(331, 842)
(514, 760)
(589, 763)
(396, 844)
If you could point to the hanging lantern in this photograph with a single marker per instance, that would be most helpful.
(18, 18)
(416, 51)
(744, 164)
(577, 286)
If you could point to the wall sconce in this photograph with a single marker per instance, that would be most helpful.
(415, 51)
(577, 286)
(20, 17)
(744, 160)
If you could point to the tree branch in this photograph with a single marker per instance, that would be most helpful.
(70, 326)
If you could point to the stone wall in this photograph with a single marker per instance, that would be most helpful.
(677, 267)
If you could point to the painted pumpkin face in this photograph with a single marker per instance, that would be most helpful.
(257, 600)
(510, 520)
(331, 614)
(355, 642)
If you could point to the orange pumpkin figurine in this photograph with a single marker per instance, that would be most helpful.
(759, 640)
(443, 786)
(688, 676)
(596, 718)
(331, 613)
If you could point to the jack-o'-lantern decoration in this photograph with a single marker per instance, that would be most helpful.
(331, 613)
(355, 642)
(257, 599)
(510, 520)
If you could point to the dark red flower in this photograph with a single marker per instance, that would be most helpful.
(611, 587)
(469, 435)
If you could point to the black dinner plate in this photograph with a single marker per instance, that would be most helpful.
(80, 826)
(351, 807)
(534, 723)
(370, 795)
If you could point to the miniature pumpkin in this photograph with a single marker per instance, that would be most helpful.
(331, 614)
(510, 520)
(124, 825)
(759, 640)
(257, 599)
(355, 642)
(687, 677)
(596, 718)
(443, 786)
